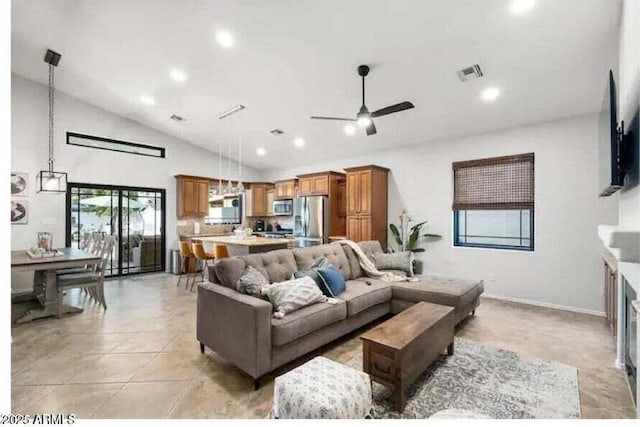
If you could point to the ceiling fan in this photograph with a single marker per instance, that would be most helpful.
(364, 118)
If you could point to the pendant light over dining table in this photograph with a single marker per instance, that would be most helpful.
(50, 181)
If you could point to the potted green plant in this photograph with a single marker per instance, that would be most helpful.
(409, 238)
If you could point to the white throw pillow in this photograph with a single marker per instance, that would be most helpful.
(292, 295)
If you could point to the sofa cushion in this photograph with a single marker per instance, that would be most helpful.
(293, 294)
(359, 296)
(229, 270)
(251, 283)
(333, 281)
(371, 247)
(306, 320)
(279, 265)
(334, 253)
(354, 263)
(438, 290)
(395, 261)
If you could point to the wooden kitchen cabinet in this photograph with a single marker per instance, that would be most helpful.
(342, 198)
(285, 189)
(359, 193)
(359, 228)
(317, 184)
(192, 196)
(305, 187)
(366, 203)
(270, 198)
(257, 199)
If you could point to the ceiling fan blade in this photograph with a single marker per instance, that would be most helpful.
(371, 129)
(392, 109)
(333, 118)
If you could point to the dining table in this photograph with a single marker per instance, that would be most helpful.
(45, 288)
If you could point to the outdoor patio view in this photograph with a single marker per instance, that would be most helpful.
(134, 216)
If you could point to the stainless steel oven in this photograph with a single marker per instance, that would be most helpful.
(283, 207)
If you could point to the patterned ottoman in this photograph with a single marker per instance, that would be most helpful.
(322, 388)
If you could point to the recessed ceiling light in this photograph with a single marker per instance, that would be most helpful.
(490, 94)
(299, 142)
(350, 129)
(224, 38)
(178, 75)
(261, 152)
(521, 6)
(148, 100)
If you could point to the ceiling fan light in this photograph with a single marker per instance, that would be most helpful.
(364, 120)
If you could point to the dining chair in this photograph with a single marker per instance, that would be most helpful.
(186, 260)
(92, 280)
(203, 257)
(86, 244)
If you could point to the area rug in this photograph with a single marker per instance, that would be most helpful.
(488, 381)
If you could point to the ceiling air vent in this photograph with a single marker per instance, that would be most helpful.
(177, 118)
(469, 73)
(276, 132)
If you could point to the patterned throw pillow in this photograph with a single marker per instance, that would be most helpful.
(292, 295)
(333, 280)
(251, 282)
(402, 261)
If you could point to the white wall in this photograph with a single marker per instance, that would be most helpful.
(565, 268)
(29, 154)
(629, 100)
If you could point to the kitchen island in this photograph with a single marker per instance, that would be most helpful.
(246, 245)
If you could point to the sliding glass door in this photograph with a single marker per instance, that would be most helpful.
(135, 216)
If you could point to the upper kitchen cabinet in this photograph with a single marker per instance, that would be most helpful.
(317, 184)
(257, 199)
(193, 196)
(285, 189)
(270, 198)
(367, 203)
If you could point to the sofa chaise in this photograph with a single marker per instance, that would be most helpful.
(241, 328)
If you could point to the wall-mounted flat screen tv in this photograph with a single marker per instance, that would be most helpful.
(610, 143)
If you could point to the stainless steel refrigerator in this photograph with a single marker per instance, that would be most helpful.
(311, 220)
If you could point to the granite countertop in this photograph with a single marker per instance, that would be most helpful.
(192, 235)
(251, 241)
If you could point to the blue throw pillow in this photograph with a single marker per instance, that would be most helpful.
(333, 280)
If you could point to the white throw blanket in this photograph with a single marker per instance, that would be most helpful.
(370, 268)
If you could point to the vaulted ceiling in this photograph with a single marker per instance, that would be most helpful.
(296, 58)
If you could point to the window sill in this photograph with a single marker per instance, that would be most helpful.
(490, 248)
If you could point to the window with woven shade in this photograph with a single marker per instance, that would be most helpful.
(493, 202)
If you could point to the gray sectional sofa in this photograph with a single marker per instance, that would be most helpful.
(241, 328)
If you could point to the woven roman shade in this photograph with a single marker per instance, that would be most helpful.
(496, 183)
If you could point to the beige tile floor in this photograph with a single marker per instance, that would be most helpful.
(140, 358)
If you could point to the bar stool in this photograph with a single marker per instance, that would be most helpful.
(220, 251)
(187, 258)
(202, 256)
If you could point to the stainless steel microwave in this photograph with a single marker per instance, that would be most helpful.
(283, 207)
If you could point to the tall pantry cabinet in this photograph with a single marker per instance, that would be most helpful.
(367, 203)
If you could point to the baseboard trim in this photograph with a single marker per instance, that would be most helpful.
(546, 305)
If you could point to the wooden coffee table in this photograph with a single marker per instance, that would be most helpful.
(397, 351)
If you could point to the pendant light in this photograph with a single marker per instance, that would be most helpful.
(240, 187)
(49, 181)
(230, 190)
(218, 191)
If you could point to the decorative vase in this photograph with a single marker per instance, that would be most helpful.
(417, 266)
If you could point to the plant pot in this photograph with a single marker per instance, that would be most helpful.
(417, 266)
